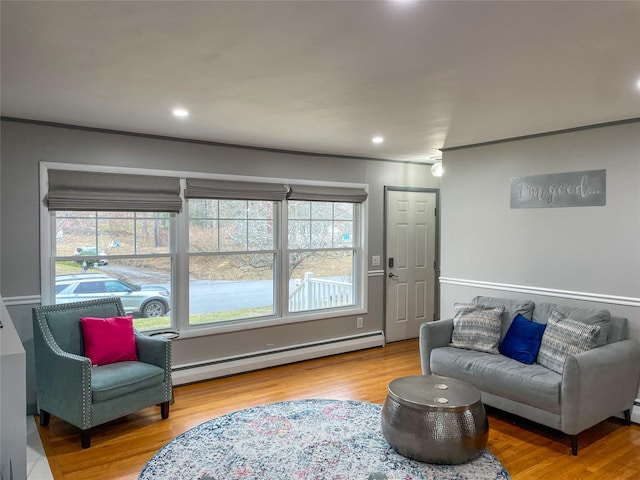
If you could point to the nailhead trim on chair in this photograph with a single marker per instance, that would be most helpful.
(168, 380)
(86, 366)
(86, 397)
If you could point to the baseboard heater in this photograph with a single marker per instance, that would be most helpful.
(196, 372)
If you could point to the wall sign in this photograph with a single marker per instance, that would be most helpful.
(572, 189)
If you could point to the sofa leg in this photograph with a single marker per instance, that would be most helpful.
(574, 445)
(85, 438)
(164, 410)
(44, 418)
(627, 417)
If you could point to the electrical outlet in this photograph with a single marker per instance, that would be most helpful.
(359, 322)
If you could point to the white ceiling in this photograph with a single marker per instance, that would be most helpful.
(324, 76)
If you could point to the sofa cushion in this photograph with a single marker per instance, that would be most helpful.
(118, 379)
(511, 309)
(564, 337)
(533, 385)
(522, 341)
(600, 317)
(476, 327)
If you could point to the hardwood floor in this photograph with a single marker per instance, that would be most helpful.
(120, 449)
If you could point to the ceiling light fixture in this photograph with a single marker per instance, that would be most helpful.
(180, 112)
(436, 168)
(377, 139)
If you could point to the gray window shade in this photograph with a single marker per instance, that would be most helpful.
(327, 194)
(93, 191)
(229, 189)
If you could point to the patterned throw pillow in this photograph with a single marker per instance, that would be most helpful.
(564, 337)
(476, 328)
(600, 317)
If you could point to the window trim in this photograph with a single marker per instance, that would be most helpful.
(180, 253)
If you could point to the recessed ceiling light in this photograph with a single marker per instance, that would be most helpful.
(180, 112)
(638, 84)
(377, 139)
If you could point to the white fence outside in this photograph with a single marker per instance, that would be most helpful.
(315, 293)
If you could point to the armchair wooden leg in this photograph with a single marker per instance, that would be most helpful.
(164, 410)
(574, 445)
(85, 438)
(44, 418)
(627, 417)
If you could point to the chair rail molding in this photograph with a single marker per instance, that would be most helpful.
(22, 300)
(375, 273)
(549, 292)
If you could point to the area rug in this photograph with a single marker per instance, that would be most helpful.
(301, 440)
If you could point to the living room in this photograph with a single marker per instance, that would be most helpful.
(586, 256)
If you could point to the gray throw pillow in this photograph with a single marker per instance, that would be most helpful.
(476, 327)
(511, 309)
(600, 317)
(564, 337)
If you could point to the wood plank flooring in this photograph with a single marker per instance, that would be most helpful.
(120, 449)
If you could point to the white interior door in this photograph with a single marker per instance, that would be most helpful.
(410, 263)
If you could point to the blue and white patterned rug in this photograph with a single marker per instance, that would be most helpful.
(301, 440)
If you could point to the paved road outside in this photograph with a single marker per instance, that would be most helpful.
(205, 295)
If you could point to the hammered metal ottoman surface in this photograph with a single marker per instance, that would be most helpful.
(435, 419)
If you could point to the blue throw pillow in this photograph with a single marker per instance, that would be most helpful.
(522, 340)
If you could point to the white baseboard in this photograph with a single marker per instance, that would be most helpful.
(228, 366)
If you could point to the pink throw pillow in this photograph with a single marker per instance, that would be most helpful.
(109, 340)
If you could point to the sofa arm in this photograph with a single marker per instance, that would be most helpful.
(433, 335)
(599, 383)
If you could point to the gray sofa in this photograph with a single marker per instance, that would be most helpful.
(594, 384)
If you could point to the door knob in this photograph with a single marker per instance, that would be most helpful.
(393, 275)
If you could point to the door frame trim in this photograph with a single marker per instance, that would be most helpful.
(436, 271)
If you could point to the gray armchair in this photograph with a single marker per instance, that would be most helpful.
(85, 396)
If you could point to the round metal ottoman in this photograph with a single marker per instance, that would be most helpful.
(435, 419)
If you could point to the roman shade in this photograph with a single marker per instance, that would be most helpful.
(95, 191)
(232, 190)
(327, 194)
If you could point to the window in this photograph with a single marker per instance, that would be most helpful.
(232, 259)
(117, 287)
(89, 287)
(123, 254)
(247, 251)
(321, 253)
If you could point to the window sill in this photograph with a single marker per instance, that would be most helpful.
(252, 324)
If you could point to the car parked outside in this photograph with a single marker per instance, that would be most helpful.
(146, 301)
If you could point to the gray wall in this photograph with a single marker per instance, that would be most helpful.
(24, 145)
(592, 250)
